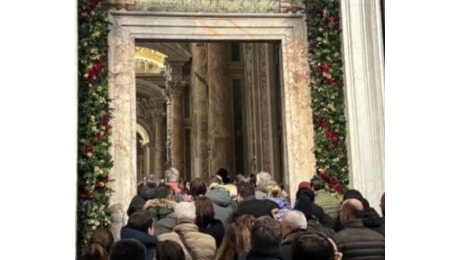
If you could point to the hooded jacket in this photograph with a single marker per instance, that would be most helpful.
(162, 211)
(221, 202)
(150, 242)
(144, 193)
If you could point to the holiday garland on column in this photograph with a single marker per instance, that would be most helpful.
(94, 114)
(328, 104)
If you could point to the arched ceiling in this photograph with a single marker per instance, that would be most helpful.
(176, 51)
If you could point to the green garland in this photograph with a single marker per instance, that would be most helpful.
(94, 114)
(327, 93)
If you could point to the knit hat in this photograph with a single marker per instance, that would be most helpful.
(304, 185)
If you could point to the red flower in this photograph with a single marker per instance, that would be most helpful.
(337, 188)
(329, 81)
(330, 134)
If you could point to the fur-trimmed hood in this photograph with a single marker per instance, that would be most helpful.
(160, 203)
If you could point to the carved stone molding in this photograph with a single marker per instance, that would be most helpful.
(289, 29)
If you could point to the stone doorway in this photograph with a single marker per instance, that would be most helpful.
(289, 30)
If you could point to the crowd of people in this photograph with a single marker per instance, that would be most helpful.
(250, 218)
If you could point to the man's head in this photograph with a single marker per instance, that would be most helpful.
(317, 183)
(265, 235)
(262, 178)
(245, 190)
(172, 175)
(313, 246)
(185, 212)
(351, 209)
(163, 192)
(141, 220)
(128, 249)
(293, 220)
(151, 181)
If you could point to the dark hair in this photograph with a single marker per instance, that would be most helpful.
(304, 192)
(317, 183)
(223, 173)
(163, 191)
(352, 194)
(198, 187)
(140, 220)
(130, 249)
(245, 189)
(99, 244)
(204, 211)
(312, 246)
(169, 250)
(265, 235)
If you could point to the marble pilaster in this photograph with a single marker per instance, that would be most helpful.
(177, 128)
(122, 92)
(159, 139)
(364, 95)
(199, 96)
(220, 111)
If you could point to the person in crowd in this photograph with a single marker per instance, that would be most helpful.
(245, 192)
(262, 180)
(356, 241)
(325, 199)
(161, 208)
(221, 201)
(305, 206)
(274, 193)
(99, 245)
(265, 239)
(169, 250)
(223, 174)
(370, 218)
(140, 227)
(145, 191)
(196, 245)
(205, 220)
(130, 249)
(198, 187)
(259, 208)
(237, 239)
(314, 246)
(305, 190)
(172, 180)
(233, 190)
(293, 224)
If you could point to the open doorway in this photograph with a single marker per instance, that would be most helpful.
(210, 105)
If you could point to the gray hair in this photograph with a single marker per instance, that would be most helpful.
(185, 211)
(172, 175)
(296, 219)
(263, 178)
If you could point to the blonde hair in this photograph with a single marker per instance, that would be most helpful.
(273, 191)
(237, 238)
(231, 188)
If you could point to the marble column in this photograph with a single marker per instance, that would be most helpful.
(199, 96)
(122, 92)
(220, 112)
(177, 128)
(364, 94)
(159, 139)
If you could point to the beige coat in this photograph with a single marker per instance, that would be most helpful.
(202, 246)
